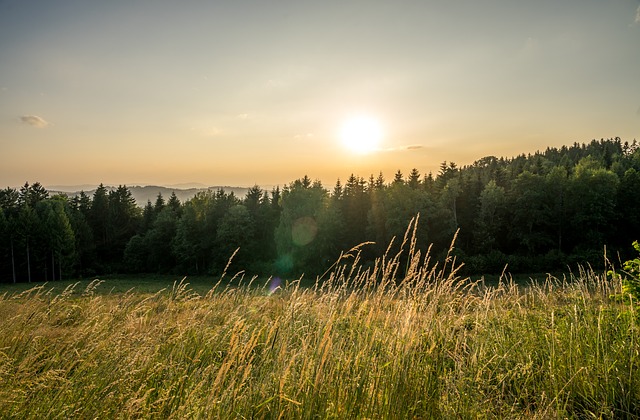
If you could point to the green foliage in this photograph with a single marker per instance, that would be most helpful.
(591, 202)
(302, 223)
(628, 200)
(236, 230)
(490, 217)
(631, 283)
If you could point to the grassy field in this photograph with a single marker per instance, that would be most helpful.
(357, 345)
(115, 284)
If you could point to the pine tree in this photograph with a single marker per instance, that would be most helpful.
(414, 179)
(31, 195)
(159, 204)
(99, 216)
(337, 191)
(174, 203)
(380, 181)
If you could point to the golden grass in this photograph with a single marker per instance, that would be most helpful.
(407, 338)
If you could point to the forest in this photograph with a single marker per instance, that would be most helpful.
(537, 212)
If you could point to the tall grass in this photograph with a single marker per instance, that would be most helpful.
(406, 338)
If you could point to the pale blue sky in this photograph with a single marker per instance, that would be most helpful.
(244, 92)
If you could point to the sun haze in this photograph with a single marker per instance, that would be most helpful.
(361, 134)
(242, 92)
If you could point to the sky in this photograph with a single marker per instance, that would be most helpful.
(243, 92)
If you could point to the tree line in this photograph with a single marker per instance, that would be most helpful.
(535, 212)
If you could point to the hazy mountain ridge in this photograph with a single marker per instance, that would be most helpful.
(142, 194)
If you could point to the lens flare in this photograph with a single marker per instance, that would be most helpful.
(304, 231)
(274, 285)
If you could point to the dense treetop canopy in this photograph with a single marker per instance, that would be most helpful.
(532, 212)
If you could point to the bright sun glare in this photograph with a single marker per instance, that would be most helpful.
(361, 134)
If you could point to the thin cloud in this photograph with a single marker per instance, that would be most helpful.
(34, 121)
(403, 148)
(638, 15)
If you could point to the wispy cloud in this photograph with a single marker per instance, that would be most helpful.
(409, 147)
(34, 121)
(638, 15)
(242, 116)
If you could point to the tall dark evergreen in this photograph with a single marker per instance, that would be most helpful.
(9, 205)
(159, 204)
(148, 217)
(99, 218)
(28, 235)
(9, 199)
(5, 248)
(59, 238)
(414, 179)
(356, 203)
(122, 223)
(31, 195)
(259, 247)
(174, 203)
(79, 213)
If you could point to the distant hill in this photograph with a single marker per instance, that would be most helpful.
(70, 188)
(149, 192)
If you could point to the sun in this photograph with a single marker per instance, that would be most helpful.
(361, 134)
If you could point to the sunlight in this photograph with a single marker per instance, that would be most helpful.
(361, 134)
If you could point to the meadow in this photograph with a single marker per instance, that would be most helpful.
(406, 338)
